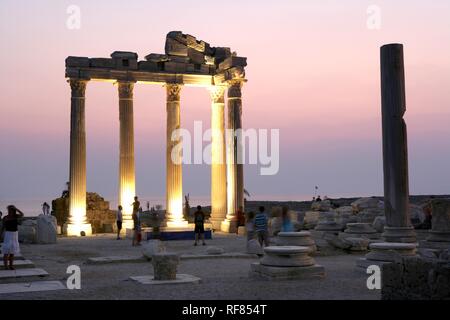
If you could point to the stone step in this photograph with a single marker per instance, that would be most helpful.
(36, 286)
(20, 264)
(116, 259)
(22, 273)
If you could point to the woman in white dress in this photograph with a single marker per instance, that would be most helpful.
(10, 236)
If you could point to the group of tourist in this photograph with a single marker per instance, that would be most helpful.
(257, 225)
(137, 235)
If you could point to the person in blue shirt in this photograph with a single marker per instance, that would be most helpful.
(261, 227)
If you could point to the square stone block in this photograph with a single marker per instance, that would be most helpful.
(258, 270)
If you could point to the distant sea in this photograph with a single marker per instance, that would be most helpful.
(33, 207)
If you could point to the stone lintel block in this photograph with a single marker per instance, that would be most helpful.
(148, 66)
(178, 36)
(73, 73)
(82, 62)
(196, 57)
(102, 63)
(175, 48)
(156, 57)
(124, 55)
(233, 62)
(258, 270)
(174, 67)
(179, 59)
(221, 53)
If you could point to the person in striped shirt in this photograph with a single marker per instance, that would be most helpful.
(261, 227)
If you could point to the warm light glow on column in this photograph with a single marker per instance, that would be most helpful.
(127, 184)
(77, 221)
(218, 162)
(174, 181)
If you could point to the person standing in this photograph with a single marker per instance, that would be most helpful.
(10, 246)
(286, 223)
(45, 208)
(241, 218)
(119, 219)
(250, 226)
(136, 222)
(199, 221)
(261, 227)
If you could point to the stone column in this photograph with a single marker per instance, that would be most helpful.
(235, 173)
(395, 150)
(127, 189)
(174, 192)
(77, 223)
(218, 161)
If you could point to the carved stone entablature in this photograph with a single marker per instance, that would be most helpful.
(195, 61)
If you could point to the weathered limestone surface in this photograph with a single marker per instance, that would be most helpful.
(416, 279)
(301, 238)
(235, 170)
(439, 236)
(286, 263)
(98, 214)
(165, 266)
(46, 229)
(152, 247)
(395, 148)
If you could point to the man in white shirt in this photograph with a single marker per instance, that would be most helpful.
(119, 221)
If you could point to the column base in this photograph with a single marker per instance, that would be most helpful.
(126, 224)
(216, 223)
(75, 230)
(399, 234)
(177, 224)
(229, 226)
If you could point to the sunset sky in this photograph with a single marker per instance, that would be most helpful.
(313, 73)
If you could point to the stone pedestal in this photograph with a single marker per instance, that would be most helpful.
(386, 252)
(360, 230)
(165, 266)
(302, 238)
(286, 263)
(439, 236)
(327, 223)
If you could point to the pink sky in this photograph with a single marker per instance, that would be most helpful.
(313, 72)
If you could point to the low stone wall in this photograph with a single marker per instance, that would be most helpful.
(102, 219)
(416, 278)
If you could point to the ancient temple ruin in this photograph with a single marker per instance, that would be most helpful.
(187, 61)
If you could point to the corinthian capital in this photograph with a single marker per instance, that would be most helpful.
(234, 88)
(217, 94)
(125, 90)
(173, 91)
(78, 87)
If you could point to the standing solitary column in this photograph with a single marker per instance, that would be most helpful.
(395, 150)
(77, 223)
(174, 190)
(235, 173)
(218, 162)
(127, 189)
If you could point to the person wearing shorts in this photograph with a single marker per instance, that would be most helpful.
(199, 221)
